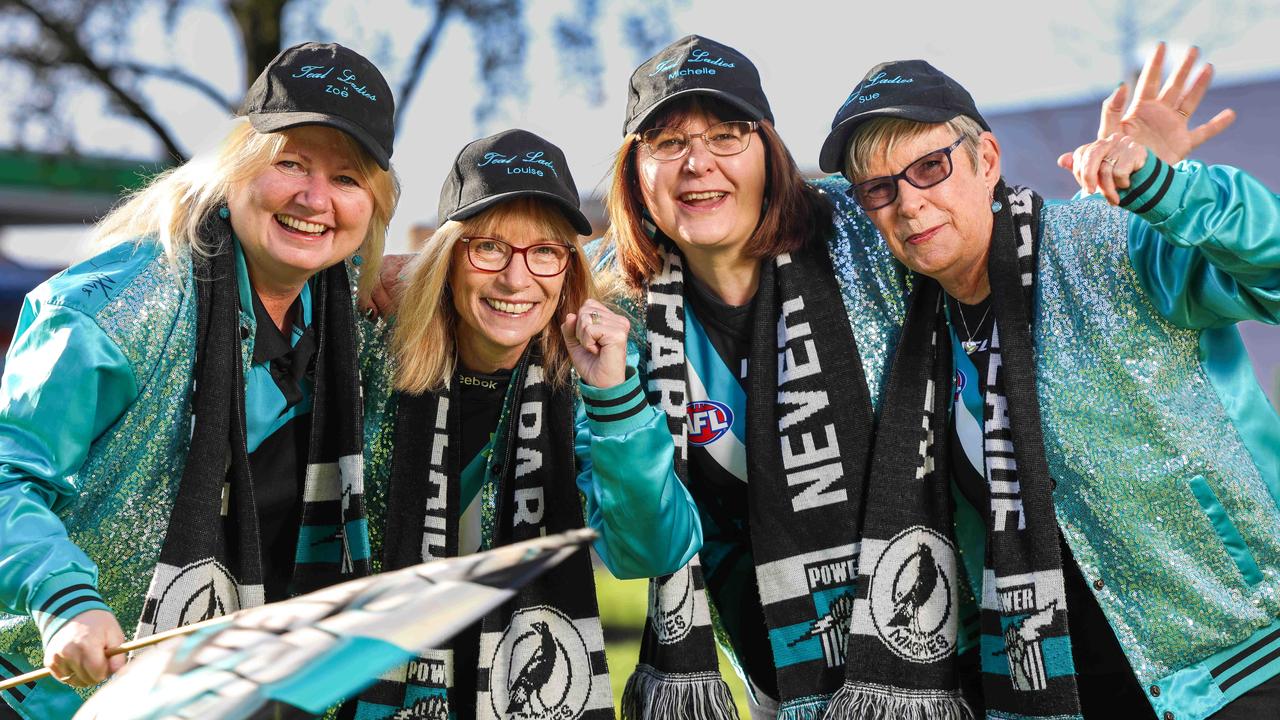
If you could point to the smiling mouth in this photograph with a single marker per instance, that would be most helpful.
(301, 226)
(924, 236)
(701, 198)
(510, 308)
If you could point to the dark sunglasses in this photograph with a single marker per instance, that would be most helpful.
(925, 172)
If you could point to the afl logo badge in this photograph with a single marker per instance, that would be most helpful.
(541, 668)
(912, 595)
(708, 420)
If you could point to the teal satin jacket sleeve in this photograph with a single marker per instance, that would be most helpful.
(64, 384)
(1205, 243)
(648, 522)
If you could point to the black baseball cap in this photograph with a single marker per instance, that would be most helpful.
(909, 89)
(325, 84)
(694, 65)
(513, 163)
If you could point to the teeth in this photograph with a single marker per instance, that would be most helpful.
(710, 195)
(515, 308)
(301, 225)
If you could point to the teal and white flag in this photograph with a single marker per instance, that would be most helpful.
(315, 650)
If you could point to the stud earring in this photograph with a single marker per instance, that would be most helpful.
(357, 260)
(224, 213)
(996, 206)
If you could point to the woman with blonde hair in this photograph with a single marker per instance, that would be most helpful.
(180, 431)
(478, 434)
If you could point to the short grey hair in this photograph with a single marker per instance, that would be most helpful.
(878, 137)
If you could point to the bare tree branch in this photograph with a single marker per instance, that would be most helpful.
(74, 53)
(182, 77)
(426, 46)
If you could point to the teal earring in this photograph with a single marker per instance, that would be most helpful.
(224, 213)
(357, 260)
(996, 206)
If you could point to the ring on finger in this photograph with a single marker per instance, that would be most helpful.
(1109, 160)
(595, 317)
(1181, 112)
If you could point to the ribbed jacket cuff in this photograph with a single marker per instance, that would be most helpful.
(62, 597)
(616, 410)
(1155, 191)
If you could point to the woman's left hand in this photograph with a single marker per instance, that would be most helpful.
(596, 338)
(1160, 116)
(1105, 165)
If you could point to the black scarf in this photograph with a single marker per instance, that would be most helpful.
(806, 459)
(210, 563)
(910, 583)
(541, 655)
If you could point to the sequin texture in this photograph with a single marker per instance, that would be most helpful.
(1131, 423)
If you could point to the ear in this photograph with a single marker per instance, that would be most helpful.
(989, 158)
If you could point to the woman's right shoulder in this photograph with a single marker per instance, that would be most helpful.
(115, 275)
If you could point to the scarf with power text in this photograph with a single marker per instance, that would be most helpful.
(210, 563)
(808, 444)
(904, 632)
(541, 655)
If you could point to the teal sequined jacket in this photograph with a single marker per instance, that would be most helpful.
(1165, 451)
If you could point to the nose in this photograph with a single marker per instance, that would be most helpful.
(699, 160)
(911, 199)
(315, 194)
(516, 275)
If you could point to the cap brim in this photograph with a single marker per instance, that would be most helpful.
(277, 121)
(831, 157)
(639, 120)
(575, 216)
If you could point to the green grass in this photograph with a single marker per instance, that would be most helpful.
(623, 605)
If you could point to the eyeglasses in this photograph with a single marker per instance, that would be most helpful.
(925, 172)
(726, 138)
(493, 255)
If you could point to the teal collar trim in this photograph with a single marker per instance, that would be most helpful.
(246, 292)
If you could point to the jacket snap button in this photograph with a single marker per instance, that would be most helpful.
(1168, 715)
(1097, 585)
(1155, 691)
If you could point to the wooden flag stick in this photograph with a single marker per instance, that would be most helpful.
(130, 646)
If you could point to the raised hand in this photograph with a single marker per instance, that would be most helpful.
(596, 338)
(1159, 117)
(77, 653)
(1105, 165)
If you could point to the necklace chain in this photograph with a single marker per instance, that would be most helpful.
(969, 344)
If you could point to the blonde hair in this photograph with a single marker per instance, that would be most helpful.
(878, 137)
(425, 343)
(171, 208)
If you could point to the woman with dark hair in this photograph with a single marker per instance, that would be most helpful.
(759, 298)
(478, 437)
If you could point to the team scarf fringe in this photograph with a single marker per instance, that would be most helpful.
(210, 563)
(905, 626)
(555, 619)
(692, 696)
(806, 376)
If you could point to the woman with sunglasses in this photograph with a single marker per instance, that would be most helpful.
(475, 430)
(768, 321)
(1072, 432)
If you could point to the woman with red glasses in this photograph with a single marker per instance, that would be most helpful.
(477, 438)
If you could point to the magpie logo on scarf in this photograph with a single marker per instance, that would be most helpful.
(542, 654)
(806, 466)
(210, 563)
(905, 625)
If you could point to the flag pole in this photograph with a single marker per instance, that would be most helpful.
(130, 646)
